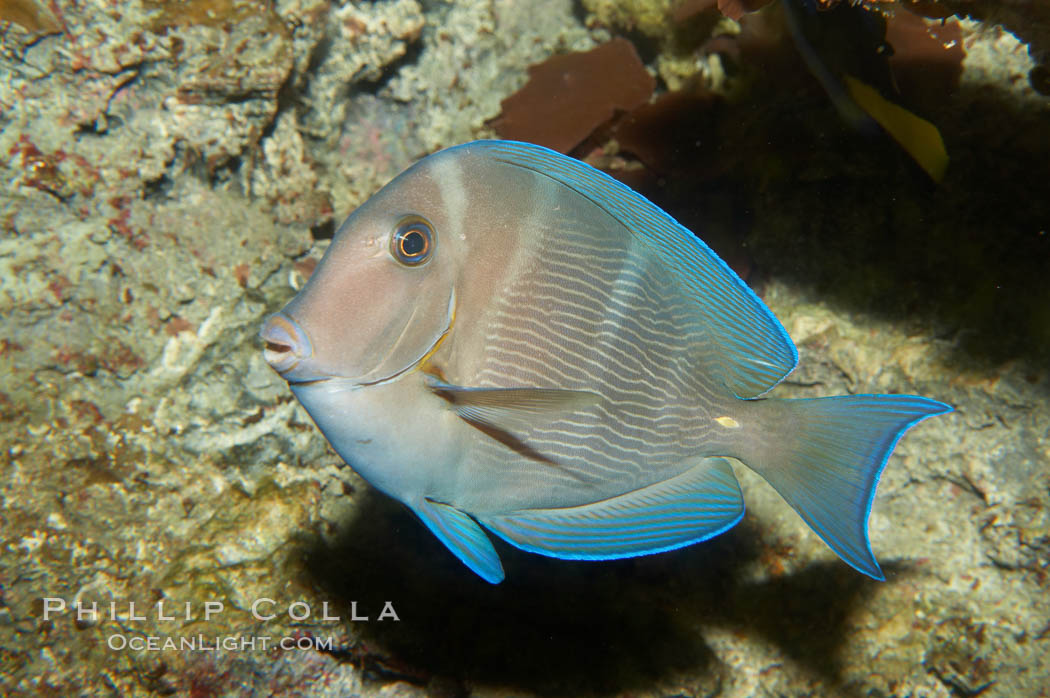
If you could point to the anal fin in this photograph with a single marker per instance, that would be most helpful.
(688, 508)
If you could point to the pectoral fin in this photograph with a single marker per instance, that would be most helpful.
(511, 410)
(693, 506)
(463, 537)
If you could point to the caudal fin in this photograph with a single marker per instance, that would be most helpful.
(825, 457)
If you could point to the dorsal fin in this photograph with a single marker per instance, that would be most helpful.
(749, 345)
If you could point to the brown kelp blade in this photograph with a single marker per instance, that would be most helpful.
(29, 15)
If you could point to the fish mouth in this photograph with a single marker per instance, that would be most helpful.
(285, 345)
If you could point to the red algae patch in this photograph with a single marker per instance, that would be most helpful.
(927, 57)
(569, 96)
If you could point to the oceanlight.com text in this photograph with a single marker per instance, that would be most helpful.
(228, 643)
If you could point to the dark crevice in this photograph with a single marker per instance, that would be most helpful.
(411, 56)
(325, 230)
(579, 12)
(157, 189)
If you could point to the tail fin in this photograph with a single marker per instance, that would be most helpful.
(825, 457)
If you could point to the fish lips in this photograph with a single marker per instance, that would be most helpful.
(288, 349)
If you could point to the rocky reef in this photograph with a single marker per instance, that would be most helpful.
(173, 173)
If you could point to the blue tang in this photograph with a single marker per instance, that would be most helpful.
(508, 340)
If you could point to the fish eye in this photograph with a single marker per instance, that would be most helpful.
(413, 241)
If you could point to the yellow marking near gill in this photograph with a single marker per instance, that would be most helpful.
(433, 350)
(728, 422)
